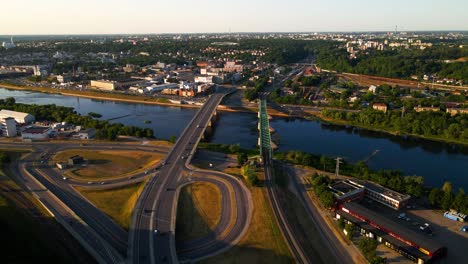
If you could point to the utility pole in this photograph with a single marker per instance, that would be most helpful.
(337, 170)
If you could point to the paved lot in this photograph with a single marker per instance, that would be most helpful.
(447, 232)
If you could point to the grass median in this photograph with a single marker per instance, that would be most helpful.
(105, 164)
(263, 242)
(198, 210)
(117, 203)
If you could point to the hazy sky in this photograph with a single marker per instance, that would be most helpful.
(173, 16)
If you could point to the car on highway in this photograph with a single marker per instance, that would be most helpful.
(155, 231)
(102, 183)
(64, 178)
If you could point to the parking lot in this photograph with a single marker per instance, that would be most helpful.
(443, 230)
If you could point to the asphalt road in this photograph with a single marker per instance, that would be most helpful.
(156, 207)
(327, 235)
(152, 234)
(236, 214)
(87, 236)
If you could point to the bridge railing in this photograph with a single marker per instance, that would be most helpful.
(265, 136)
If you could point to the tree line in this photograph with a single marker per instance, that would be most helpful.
(428, 123)
(54, 113)
(397, 63)
(443, 197)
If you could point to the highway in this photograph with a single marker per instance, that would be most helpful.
(157, 204)
(152, 233)
(86, 235)
(99, 234)
(341, 250)
(236, 213)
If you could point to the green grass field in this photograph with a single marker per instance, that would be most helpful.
(107, 164)
(263, 242)
(117, 203)
(198, 210)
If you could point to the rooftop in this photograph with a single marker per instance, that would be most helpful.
(36, 130)
(392, 226)
(9, 113)
(380, 189)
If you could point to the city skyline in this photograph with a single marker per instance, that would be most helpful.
(53, 17)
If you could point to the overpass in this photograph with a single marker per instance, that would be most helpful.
(152, 232)
(157, 204)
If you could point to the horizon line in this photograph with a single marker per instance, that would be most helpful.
(237, 32)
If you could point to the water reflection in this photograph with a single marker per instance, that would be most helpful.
(435, 161)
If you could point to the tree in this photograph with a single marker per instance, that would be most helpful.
(234, 148)
(341, 223)
(447, 187)
(327, 199)
(368, 246)
(435, 196)
(253, 179)
(149, 133)
(447, 200)
(459, 201)
(4, 158)
(241, 158)
(172, 139)
(350, 229)
(10, 101)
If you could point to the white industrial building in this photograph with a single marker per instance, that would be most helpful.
(89, 133)
(8, 127)
(20, 118)
(204, 79)
(36, 133)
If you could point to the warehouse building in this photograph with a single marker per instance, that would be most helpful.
(8, 127)
(36, 133)
(112, 85)
(352, 190)
(415, 246)
(20, 118)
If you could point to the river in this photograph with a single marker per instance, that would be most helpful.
(436, 162)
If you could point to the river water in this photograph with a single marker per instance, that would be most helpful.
(436, 162)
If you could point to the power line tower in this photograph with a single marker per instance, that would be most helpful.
(337, 170)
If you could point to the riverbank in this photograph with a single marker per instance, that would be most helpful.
(320, 117)
(127, 98)
(98, 95)
(224, 108)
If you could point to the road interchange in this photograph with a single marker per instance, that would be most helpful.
(99, 234)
